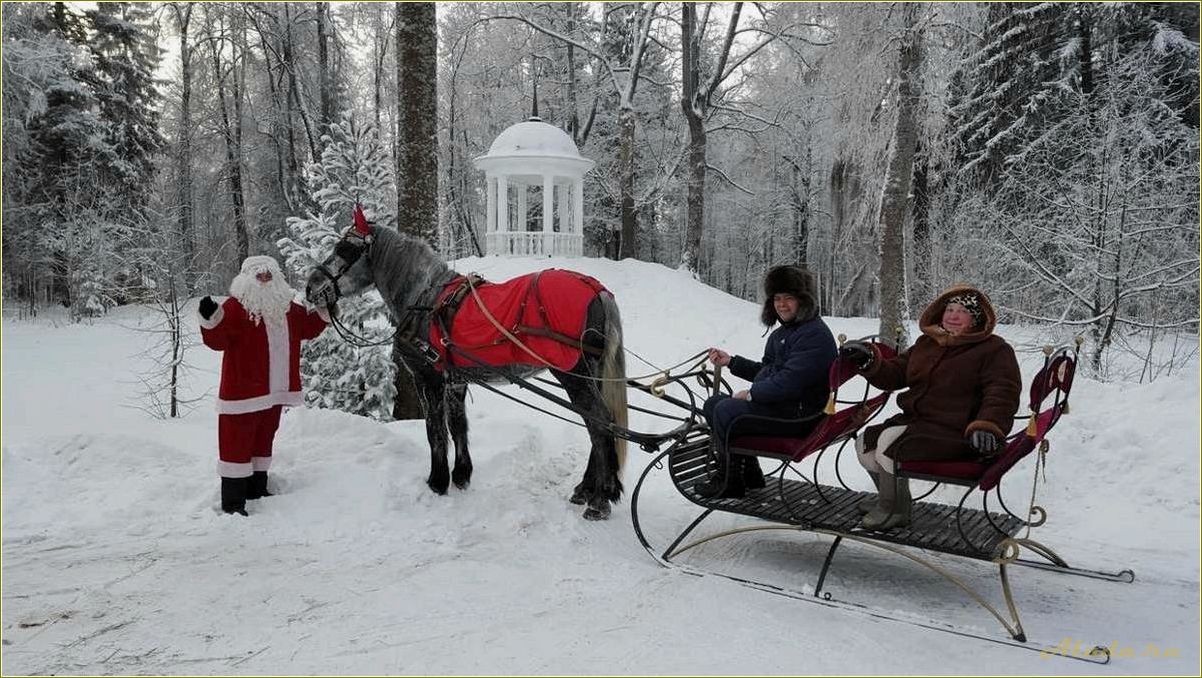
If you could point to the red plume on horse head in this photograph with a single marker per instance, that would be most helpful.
(360, 221)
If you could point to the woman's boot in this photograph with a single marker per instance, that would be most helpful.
(894, 507)
(866, 504)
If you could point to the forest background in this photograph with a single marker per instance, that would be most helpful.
(1046, 152)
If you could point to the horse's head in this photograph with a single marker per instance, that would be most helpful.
(348, 269)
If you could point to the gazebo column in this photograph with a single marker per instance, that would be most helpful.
(565, 219)
(578, 212)
(502, 236)
(491, 216)
(548, 214)
(523, 223)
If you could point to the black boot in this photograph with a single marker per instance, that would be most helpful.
(726, 482)
(233, 495)
(258, 486)
(753, 475)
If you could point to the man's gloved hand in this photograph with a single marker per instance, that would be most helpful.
(858, 352)
(984, 442)
(207, 307)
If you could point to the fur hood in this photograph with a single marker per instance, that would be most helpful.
(789, 280)
(933, 316)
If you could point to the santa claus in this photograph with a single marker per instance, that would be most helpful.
(259, 329)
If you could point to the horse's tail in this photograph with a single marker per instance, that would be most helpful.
(613, 371)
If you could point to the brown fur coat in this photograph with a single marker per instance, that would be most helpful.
(955, 384)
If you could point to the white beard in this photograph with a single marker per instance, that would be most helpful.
(263, 301)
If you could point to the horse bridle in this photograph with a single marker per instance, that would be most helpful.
(330, 284)
(330, 294)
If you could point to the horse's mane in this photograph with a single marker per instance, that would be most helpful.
(407, 271)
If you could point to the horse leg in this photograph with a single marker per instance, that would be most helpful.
(461, 475)
(585, 489)
(583, 492)
(601, 484)
(432, 388)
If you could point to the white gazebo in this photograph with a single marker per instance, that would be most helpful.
(536, 158)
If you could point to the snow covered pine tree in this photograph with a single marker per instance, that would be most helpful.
(355, 168)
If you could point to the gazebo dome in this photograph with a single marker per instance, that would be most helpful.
(533, 159)
(533, 137)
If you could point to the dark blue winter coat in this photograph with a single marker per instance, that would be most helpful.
(794, 370)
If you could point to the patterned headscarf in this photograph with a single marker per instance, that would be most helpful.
(972, 303)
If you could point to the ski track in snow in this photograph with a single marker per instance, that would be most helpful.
(116, 559)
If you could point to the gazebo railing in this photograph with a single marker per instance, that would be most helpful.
(534, 244)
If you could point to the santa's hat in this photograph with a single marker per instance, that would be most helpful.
(259, 263)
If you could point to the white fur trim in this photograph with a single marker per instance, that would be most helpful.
(261, 463)
(229, 469)
(323, 314)
(277, 356)
(260, 262)
(215, 319)
(257, 404)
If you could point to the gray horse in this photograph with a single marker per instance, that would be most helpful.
(409, 276)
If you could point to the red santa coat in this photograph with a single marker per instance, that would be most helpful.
(261, 365)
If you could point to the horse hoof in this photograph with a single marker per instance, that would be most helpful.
(580, 496)
(461, 479)
(594, 513)
(438, 488)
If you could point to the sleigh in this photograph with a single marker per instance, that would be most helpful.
(796, 500)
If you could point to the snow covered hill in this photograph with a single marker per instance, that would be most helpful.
(117, 560)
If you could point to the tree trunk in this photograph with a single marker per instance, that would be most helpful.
(177, 347)
(294, 99)
(417, 170)
(326, 80)
(233, 154)
(801, 210)
(628, 240)
(690, 45)
(417, 99)
(183, 16)
(380, 56)
(894, 311)
(844, 191)
(573, 110)
(923, 284)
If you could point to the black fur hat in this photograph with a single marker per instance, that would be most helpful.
(789, 280)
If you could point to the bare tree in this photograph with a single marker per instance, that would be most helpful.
(895, 198)
(221, 38)
(696, 101)
(182, 12)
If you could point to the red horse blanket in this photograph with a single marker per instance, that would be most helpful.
(534, 308)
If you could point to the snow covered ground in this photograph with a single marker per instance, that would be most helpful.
(117, 560)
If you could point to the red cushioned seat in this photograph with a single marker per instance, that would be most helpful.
(784, 447)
